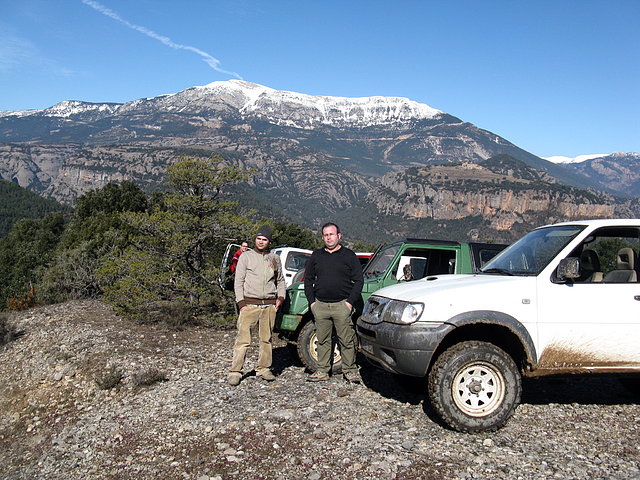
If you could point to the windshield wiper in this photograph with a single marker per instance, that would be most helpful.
(497, 270)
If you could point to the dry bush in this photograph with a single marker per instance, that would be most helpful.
(151, 376)
(8, 332)
(110, 379)
(23, 303)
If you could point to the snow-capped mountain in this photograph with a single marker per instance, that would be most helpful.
(369, 134)
(251, 100)
(307, 111)
(578, 159)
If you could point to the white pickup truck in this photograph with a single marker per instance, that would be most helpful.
(565, 298)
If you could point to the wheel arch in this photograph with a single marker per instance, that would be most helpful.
(497, 328)
(307, 317)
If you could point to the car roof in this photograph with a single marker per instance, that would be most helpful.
(601, 222)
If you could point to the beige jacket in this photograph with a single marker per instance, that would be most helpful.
(259, 279)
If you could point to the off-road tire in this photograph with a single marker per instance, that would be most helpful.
(474, 387)
(307, 349)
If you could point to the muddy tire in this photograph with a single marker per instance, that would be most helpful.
(474, 387)
(308, 349)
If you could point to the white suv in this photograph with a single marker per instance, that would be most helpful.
(563, 299)
(293, 259)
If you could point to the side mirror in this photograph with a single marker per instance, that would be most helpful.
(568, 269)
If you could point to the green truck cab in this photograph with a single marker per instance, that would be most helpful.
(403, 261)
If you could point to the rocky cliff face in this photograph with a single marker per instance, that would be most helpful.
(309, 188)
(64, 172)
(498, 198)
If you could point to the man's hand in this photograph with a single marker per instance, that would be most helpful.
(278, 303)
(348, 305)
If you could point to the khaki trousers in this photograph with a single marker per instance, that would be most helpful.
(265, 317)
(328, 316)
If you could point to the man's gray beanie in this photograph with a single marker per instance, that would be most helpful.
(264, 231)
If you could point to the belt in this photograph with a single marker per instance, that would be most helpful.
(260, 301)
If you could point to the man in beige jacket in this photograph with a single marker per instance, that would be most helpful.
(259, 289)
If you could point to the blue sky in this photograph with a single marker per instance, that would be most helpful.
(555, 77)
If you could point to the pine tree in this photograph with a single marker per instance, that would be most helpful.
(170, 268)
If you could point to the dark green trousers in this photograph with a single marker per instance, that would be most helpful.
(328, 316)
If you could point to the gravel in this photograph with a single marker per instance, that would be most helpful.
(56, 423)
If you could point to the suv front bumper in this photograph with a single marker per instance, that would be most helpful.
(401, 349)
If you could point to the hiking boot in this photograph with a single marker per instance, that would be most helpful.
(234, 379)
(318, 376)
(352, 377)
(267, 376)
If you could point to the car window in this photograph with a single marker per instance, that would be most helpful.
(417, 263)
(485, 255)
(609, 255)
(381, 261)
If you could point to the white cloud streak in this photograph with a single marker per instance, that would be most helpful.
(14, 52)
(17, 53)
(208, 59)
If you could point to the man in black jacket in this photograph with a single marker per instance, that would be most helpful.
(333, 284)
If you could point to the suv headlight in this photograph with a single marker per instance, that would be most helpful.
(401, 312)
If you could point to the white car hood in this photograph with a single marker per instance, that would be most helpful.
(447, 285)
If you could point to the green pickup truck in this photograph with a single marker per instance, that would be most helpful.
(402, 261)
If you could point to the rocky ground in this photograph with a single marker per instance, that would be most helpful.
(171, 415)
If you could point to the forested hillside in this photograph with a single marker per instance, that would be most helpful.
(153, 257)
(17, 203)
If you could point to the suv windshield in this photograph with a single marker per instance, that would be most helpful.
(380, 262)
(533, 252)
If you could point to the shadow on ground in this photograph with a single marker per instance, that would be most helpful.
(580, 389)
(282, 360)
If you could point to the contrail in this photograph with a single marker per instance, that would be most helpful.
(211, 61)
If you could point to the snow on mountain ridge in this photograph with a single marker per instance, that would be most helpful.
(303, 111)
(67, 108)
(252, 100)
(578, 159)
(18, 113)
